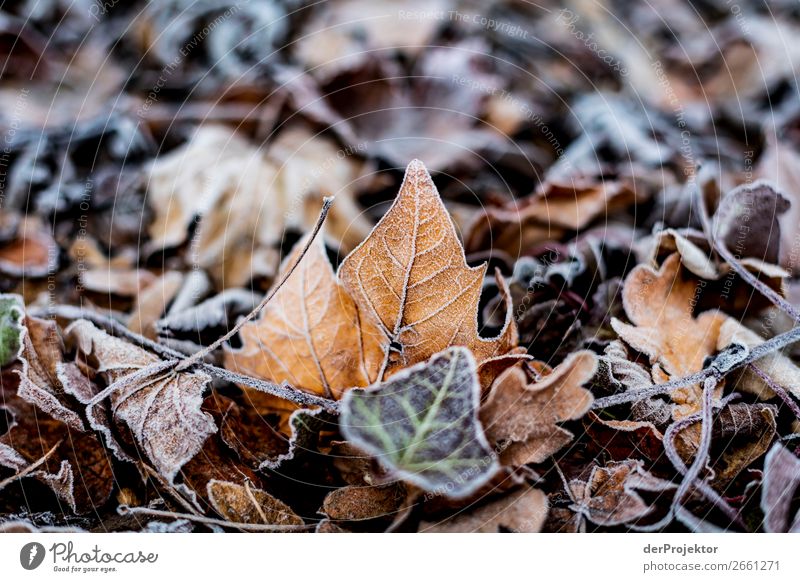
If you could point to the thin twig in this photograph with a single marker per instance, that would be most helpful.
(127, 510)
(773, 344)
(283, 390)
(30, 468)
(736, 265)
(176, 495)
(198, 356)
(692, 474)
(779, 390)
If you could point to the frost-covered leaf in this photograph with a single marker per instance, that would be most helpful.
(12, 311)
(247, 504)
(311, 334)
(522, 511)
(73, 464)
(521, 417)
(422, 423)
(45, 377)
(660, 304)
(358, 503)
(160, 406)
(781, 484)
(410, 274)
(609, 497)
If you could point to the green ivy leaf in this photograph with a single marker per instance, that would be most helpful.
(12, 311)
(422, 423)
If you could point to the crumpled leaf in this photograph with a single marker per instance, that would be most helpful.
(743, 431)
(609, 496)
(12, 311)
(45, 378)
(422, 424)
(660, 305)
(411, 275)
(311, 334)
(246, 504)
(781, 484)
(161, 407)
(522, 511)
(521, 417)
(78, 471)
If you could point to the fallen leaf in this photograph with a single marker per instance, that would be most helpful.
(422, 424)
(218, 179)
(161, 407)
(311, 334)
(522, 511)
(781, 484)
(359, 503)
(246, 504)
(411, 275)
(609, 497)
(73, 464)
(521, 417)
(660, 305)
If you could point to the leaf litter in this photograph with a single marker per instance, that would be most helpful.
(553, 291)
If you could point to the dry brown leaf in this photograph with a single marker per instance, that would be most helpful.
(356, 503)
(246, 504)
(73, 464)
(522, 511)
(161, 407)
(660, 306)
(411, 275)
(244, 199)
(152, 301)
(557, 207)
(521, 417)
(609, 497)
(311, 334)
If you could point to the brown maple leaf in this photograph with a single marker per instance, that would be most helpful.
(411, 275)
(311, 334)
(521, 417)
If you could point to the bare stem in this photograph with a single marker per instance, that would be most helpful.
(198, 356)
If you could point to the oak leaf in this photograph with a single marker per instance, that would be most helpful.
(311, 334)
(422, 424)
(609, 496)
(660, 305)
(411, 275)
(521, 417)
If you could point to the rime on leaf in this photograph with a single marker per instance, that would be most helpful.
(311, 334)
(422, 424)
(161, 407)
(246, 504)
(521, 417)
(410, 274)
(780, 486)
